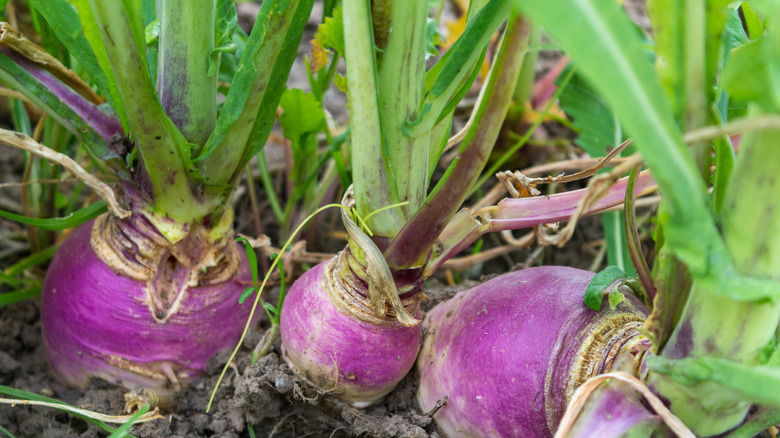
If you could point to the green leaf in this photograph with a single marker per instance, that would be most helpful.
(599, 284)
(735, 32)
(26, 83)
(2, 429)
(276, 83)
(593, 120)
(36, 259)
(270, 308)
(152, 33)
(615, 298)
(224, 28)
(7, 298)
(751, 74)
(750, 383)
(3, 4)
(668, 19)
(240, 88)
(64, 21)
(597, 34)
(433, 38)
(615, 237)
(246, 294)
(330, 34)
(251, 257)
(73, 220)
(302, 114)
(752, 21)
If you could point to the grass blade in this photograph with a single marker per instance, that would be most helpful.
(20, 295)
(122, 430)
(60, 223)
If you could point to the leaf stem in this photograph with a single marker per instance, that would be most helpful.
(163, 149)
(372, 177)
(412, 245)
(186, 91)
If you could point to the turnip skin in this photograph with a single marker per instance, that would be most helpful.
(96, 322)
(497, 350)
(354, 360)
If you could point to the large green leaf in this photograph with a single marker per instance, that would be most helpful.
(752, 383)
(604, 47)
(752, 74)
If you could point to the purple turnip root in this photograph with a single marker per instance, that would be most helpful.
(117, 307)
(508, 354)
(332, 337)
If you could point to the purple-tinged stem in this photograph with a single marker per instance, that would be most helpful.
(411, 246)
(516, 213)
(186, 91)
(66, 105)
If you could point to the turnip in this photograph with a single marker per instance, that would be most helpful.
(509, 353)
(708, 349)
(350, 325)
(145, 296)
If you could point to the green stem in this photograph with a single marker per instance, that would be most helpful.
(413, 244)
(228, 145)
(695, 76)
(373, 184)
(401, 91)
(163, 149)
(186, 91)
(723, 327)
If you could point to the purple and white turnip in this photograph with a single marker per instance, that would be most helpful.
(508, 354)
(147, 297)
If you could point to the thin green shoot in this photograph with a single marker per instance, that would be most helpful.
(20, 295)
(524, 139)
(272, 312)
(282, 293)
(379, 210)
(268, 185)
(54, 224)
(36, 259)
(122, 431)
(7, 433)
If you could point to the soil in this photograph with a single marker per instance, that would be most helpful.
(266, 397)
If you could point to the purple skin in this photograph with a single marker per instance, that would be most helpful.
(96, 323)
(489, 349)
(358, 361)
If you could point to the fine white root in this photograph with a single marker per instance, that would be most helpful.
(113, 419)
(24, 142)
(582, 394)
